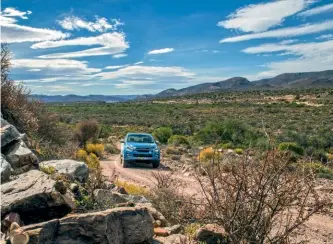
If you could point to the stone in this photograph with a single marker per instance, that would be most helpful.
(175, 229)
(114, 226)
(155, 214)
(120, 190)
(9, 219)
(6, 169)
(175, 239)
(8, 133)
(74, 187)
(108, 198)
(135, 198)
(157, 223)
(74, 170)
(21, 158)
(158, 231)
(33, 196)
(211, 234)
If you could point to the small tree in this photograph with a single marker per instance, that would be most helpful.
(86, 130)
(163, 134)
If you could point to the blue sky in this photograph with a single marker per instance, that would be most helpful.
(142, 47)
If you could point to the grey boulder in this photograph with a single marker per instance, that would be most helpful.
(8, 133)
(33, 196)
(75, 170)
(5, 169)
(21, 158)
(112, 226)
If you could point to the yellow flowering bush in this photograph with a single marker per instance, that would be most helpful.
(92, 161)
(97, 149)
(81, 155)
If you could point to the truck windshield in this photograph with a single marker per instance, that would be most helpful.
(140, 138)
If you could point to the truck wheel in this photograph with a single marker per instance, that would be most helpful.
(156, 164)
(125, 163)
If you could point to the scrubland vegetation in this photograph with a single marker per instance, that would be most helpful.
(281, 141)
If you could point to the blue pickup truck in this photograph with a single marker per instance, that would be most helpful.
(139, 147)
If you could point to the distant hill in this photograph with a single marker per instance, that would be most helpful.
(77, 98)
(288, 80)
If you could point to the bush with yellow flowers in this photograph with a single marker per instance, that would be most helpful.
(96, 149)
(81, 155)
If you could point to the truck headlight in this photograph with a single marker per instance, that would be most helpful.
(130, 148)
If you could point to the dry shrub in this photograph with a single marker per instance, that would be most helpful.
(132, 189)
(259, 201)
(86, 130)
(15, 106)
(169, 198)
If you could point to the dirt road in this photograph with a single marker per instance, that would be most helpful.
(141, 174)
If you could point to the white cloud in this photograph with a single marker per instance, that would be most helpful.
(18, 33)
(34, 70)
(12, 12)
(163, 50)
(120, 55)
(101, 24)
(262, 16)
(59, 88)
(140, 62)
(325, 37)
(12, 32)
(145, 71)
(55, 66)
(284, 32)
(317, 10)
(112, 43)
(312, 56)
(116, 66)
(125, 84)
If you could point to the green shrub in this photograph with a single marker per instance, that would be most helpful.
(86, 130)
(291, 146)
(178, 140)
(50, 170)
(229, 131)
(225, 145)
(239, 151)
(111, 148)
(319, 169)
(163, 134)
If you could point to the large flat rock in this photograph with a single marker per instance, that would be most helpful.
(33, 196)
(113, 226)
(75, 170)
(8, 133)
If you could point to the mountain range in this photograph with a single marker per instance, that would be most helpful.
(283, 81)
(76, 98)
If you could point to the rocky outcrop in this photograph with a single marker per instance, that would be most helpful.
(5, 169)
(21, 158)
(114, 226)
(34, 197)
(14, 150)
(74, 170)
(8, 133)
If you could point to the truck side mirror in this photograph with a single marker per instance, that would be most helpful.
(122, 141)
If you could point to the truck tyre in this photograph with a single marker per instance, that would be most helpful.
(124, 163)
(156, 164)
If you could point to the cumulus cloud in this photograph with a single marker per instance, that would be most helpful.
(261, 17)
(284, 32)
(317, 10)
(145, 71)
(160, 51)
(100, 24)
(112, 43)
(312, 56)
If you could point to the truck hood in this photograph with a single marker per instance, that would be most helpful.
(142, 145)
